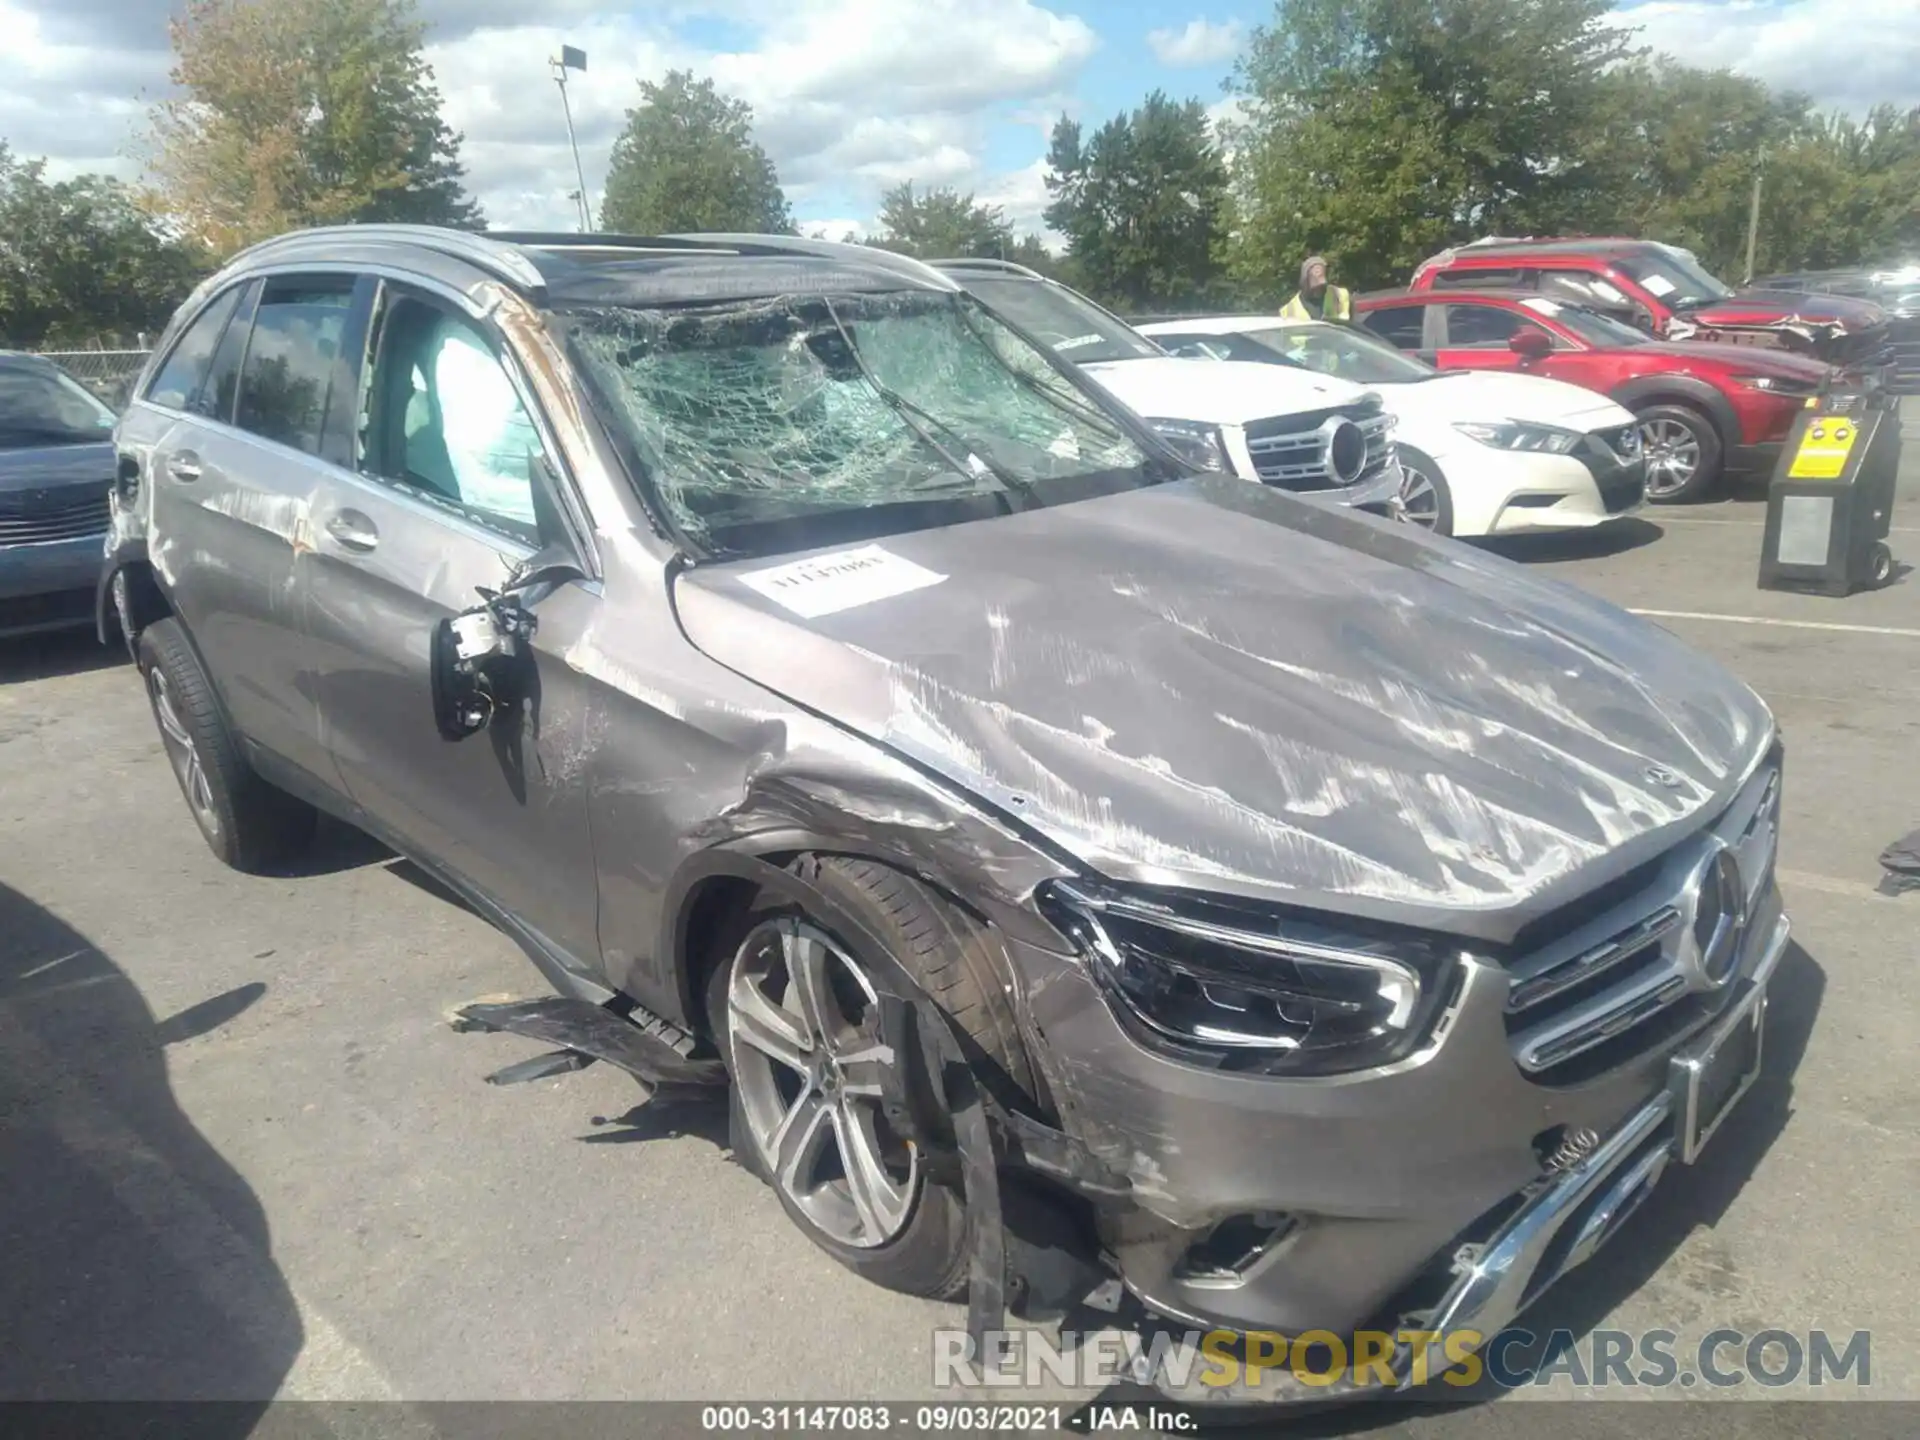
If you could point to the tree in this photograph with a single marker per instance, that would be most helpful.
(687, 161)
(79, 263)
(1141, 203)
(1378, 129)
(942, 223)
(303, 112)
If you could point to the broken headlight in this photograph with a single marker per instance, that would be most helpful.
(1199, 445)
(1255, 991)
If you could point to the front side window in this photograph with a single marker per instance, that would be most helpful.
(1401, 326)
(1486, 327)
(444, 419)
(40, 406)
(286, 383)
(1075, 328)
(182, 379)
(795, 421)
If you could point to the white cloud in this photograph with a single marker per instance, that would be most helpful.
(1847, 54)
(849, 96)
(1201, 43)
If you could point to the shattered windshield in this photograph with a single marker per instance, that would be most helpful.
(785, 423)
(1078, 330)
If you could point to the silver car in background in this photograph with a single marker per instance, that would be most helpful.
(842, 700)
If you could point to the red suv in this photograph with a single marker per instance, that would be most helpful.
(1664, 291)
(1705, 410)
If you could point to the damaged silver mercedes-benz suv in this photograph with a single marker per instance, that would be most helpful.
(1075, 864)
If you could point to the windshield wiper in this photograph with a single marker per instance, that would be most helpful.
(915, 415)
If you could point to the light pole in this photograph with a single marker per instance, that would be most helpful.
(571, 59)
(1753, 214)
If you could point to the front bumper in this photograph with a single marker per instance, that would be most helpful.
(1387, 1174)
(39, 583)
(1501, 492)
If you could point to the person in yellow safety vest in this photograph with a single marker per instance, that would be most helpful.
(1317, 300)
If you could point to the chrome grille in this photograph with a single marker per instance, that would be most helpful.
(45, 516)
(1294, 458)
(1648, 966)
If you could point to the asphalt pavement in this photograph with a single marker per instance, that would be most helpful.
(244, 1156)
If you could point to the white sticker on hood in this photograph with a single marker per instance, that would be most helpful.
(829, 583)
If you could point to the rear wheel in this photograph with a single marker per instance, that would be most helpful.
(795, 1011)
(245, 821)
(1683, 454)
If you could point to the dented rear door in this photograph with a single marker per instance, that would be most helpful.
(232, 482)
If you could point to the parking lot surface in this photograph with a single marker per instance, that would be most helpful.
(243, 1155)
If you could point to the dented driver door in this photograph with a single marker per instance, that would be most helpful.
(444, 504)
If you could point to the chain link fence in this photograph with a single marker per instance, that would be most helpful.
(107, 373)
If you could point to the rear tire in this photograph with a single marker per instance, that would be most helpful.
(1683, 451)
(249, 824)
(912, 1233)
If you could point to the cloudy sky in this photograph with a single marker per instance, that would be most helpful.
(851, 95)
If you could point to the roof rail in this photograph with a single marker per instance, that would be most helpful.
(564, 240)
(974, 262)
(873, 255)
(489, 253)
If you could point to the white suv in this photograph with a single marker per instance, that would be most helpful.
(1315, 434)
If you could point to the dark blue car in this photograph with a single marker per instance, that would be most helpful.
(56, 465)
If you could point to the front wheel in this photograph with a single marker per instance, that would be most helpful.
(1683, 454)
(796, 1012)
(1424, 498)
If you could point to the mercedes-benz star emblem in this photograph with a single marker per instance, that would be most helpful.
(1343, 450)
(1718, 896)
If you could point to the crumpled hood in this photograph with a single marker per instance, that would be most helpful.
(52, 467)
(1219, 392)
(1214, 685)
(1766, 309)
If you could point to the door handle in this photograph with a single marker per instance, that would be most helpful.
(184, 467)
(353, 530)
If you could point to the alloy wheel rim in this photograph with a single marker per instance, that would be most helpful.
(1673, 455)
(811, 1069)
(182, 753)
(1418, 502)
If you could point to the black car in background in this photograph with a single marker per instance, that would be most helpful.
(56, 465)
(1895, 290)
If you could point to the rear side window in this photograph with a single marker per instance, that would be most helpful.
(182, 380)
(1399, 325)
(1485, 327)
(287, 380)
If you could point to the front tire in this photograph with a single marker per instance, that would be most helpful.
(1425, 498)
(793, 1010)
(247, 823)
(1683, 454)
